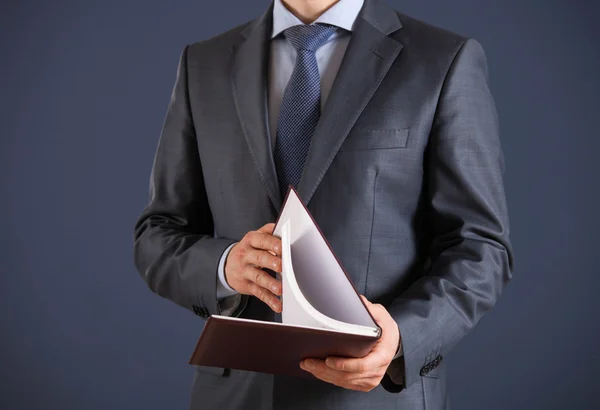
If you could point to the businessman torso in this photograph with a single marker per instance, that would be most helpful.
(377, 180)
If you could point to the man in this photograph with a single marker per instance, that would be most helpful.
(387, 128)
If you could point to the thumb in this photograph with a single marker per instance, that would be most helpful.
(375, 309)
(268, 228)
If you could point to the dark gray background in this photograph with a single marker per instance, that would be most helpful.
(84, 88)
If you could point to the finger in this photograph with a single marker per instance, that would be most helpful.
(374, 308)
(349, 376)
(317, 368)
(262, 259)
(377, 311)
(262, 279)
(360, 382)
(266, 296)
(365, 384)
(265, 241)
(370, 362)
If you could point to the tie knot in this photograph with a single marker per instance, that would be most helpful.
(309, 36)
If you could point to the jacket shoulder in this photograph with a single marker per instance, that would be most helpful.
(218, 45)
(427, 37)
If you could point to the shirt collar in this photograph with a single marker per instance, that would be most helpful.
(342, 14)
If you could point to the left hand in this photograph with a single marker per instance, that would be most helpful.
(365, 373)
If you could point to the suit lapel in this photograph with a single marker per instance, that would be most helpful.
(369, 55)
(249, 74)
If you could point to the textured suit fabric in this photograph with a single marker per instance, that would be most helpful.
(404, 178)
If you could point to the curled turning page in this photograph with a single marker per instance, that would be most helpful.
(297, 310)
(323, 289)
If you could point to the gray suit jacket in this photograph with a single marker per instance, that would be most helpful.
(404, 177)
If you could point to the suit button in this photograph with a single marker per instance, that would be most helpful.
(431, 365)
(200, 311)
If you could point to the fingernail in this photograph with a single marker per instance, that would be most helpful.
(275, 289)
(308, 364)
(276, 248)
(330, 362)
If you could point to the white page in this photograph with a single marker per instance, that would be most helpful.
(320, 278)
(297, 310)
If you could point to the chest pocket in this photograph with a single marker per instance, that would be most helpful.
(372, 139)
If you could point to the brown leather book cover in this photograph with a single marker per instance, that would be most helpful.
(271, 347)
(278, 348)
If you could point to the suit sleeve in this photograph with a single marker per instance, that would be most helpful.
(470, 259)
(175, 250)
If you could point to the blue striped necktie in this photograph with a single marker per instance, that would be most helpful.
(301, 104)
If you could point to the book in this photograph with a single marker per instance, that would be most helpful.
(323, 314)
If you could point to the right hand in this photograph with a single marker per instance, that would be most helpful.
(243, 266)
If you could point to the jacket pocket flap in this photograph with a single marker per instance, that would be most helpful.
(376, 139)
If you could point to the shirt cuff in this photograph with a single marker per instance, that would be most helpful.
(230, 306)
(223, 288)
(400, 351)
(393, 380)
